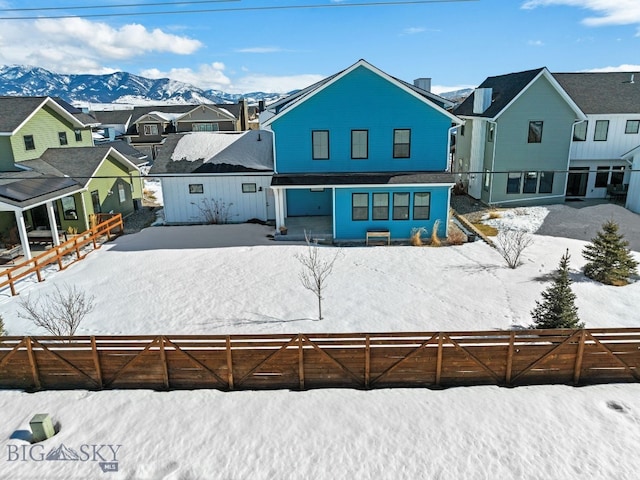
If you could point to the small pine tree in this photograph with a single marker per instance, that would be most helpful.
(609, 259)
(557, 308)
(3, 332)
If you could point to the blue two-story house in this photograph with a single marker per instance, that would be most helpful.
(364, 150)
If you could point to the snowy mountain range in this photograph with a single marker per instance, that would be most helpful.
(122, 87)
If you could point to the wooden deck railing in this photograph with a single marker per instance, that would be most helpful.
(64, 254)
(304, 361)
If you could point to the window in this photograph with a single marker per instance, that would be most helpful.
(151, 129)
(602, 129)
(204, 127)
(359, 143)
(633, 126)
(317, 189)
(320, 144)
(421, 202)
(617, 175)
(249, 188)
(514, 180)
(360, 206)
(380, 206)
(490, 132)
(122, 194)
(29, 144)
(401, 143)
(401, 206)
(69, 211)
(462, 130)
(530, 182)
(487, 179)
(546, 182)
(196, 188)
(580, 132)
(62, 137)
(78, 133)
(95, 201)
(535, 132)
(602, 177)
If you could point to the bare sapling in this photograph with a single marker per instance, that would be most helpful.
(59, 313)
(316, 270)
(510, 244)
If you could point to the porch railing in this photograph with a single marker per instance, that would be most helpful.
(66, 253)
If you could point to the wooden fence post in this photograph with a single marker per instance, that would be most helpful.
(163, 361)
(439, 359)
(578, 366)
(96, 361)
(229, 364)
(300, 362)
(367, 361)
(34, 364)
(512, 338)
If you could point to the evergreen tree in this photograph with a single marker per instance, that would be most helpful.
(557, 308)
(2, 330)
(609, 259)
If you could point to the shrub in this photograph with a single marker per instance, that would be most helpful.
(510, 244)
(435, 241)
(415, 239)
(609, 260)
(557, 308)
(456, 236)
(214, 211)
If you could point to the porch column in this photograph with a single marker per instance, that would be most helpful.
(279, 199)
(52, 224)
(22, 231)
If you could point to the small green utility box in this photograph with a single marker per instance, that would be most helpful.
(41, 427)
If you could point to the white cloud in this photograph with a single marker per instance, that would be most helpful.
(620, 68)
(75, 45)
(413, 30)
(535, 43)
(207, 76)
(609, 12)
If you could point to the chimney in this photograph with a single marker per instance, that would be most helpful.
(423, 83)
(260, 106)
(244, 115)
(482, 99)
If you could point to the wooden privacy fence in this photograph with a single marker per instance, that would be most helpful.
(304, 361)
(66, 253)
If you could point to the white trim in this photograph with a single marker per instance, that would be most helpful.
(55, 106)
(220, 111)
(364, 185)
(333, 213)
(199, 175)
(529, 199)
(365, 64)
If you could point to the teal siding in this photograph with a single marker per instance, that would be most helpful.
(304, 202)
(362, 100)
(348, 229)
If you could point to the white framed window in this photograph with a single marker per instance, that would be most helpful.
(514, 182)
(122, 194)
(602, 130)
(150, 129)
(62, 138)
(205, 127)
(580, 132)
(530, 182)
(78, 133)
(633, 126)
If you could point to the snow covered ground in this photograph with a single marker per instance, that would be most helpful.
(233, 279)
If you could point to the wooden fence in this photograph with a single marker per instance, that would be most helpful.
(304, 361)
(66, 253)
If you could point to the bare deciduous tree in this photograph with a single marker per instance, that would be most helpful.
(59, 313)
(3, 332)
(214, 211)
(510, 244)
(315, 270)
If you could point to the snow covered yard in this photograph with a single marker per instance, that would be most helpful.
(232, 279)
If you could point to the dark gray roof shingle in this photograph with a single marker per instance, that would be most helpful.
(505, 89)
(602, 93)
(15, 110)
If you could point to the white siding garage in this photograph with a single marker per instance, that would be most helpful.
(244, 196)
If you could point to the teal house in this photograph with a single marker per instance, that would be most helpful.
(361, 152)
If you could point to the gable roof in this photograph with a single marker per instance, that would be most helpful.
(24, 188)
(215, 152)
(113, 117)
(287, 104)
(602, 93)
(16, 111)
(79, 163)
(506, 89)
(214, 108)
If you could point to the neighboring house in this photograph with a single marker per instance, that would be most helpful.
(216, 173)
(364, 150)
(47, 157)
(633, 193)
(514, 146)
(113, 124)
(611, 102)
(150, 125)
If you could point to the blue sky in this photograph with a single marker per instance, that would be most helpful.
(456, 43)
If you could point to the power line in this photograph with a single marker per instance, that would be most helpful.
(237, 9)
(124, 5)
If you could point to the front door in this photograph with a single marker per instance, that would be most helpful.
(95, 200)
(577, 182)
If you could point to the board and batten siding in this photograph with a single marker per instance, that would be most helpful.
(362, 100)
(633, 196)
(348, 229)
(182, 207)
(45, 126)
(540, 102)
(617, 144)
